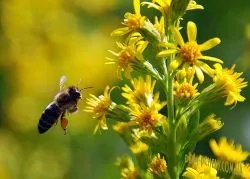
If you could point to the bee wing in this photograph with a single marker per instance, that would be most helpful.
(63, 79)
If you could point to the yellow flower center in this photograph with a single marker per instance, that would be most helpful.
(190, 52)
(185, 91)
(103, 106)
(125, 57)
(134, 21)
(158, 165)
(146, 120)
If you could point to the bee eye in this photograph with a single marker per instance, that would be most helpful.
(76, 94)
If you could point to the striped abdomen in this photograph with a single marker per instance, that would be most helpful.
(49, 116)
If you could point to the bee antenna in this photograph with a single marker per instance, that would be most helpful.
(89, 87)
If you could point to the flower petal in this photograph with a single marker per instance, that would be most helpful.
(230, 100)
(175, 63)
(214, 146)
(139, 56)
(193, 5)
(167, 44)
(199, 74)
(110, 60)
(162, 3)
(120, 31)
(166, 53)
(190, 173)
(204, 67)
(213, 59)
(141, 47)
(153, 5)
(191, 31)
(137, 7)
(218, 66)
(113, 53)
(209, 44)
(178, 36)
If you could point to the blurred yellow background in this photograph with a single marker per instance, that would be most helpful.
(41, 40)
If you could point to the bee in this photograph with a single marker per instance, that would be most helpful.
(65, 101)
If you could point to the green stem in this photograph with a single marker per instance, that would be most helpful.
(172, 153)
(173, 162)
(170, 97)
(168, 89)
(165, 76)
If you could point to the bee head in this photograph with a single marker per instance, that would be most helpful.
(74, 93)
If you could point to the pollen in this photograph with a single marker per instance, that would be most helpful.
(146, 120)
(190, 52)
(158, 165)
(103, 105)
(186, 90)
(133, 21)
(125, 57)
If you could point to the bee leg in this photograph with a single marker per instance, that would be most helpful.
(64, 123)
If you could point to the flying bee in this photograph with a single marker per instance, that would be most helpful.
(64, 102)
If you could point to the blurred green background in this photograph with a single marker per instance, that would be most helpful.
(42, 40)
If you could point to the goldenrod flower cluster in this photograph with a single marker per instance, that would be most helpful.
(230, 161)
(159, 116)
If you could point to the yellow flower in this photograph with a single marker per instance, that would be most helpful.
(123, 127)
(158, 165)
(160, 26)
(124, 162)
(163, 5)
(147, 118)
(185, 90)
(130, 173)
(209, 125)
(243, 171)
(227, 151)
(99, 107)
(132, 21)
(128, 54)
(230, 83)
(141, 92)
(189, 53)
(185, 74)
(128, 170)
(139, 147)
(200, 172)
